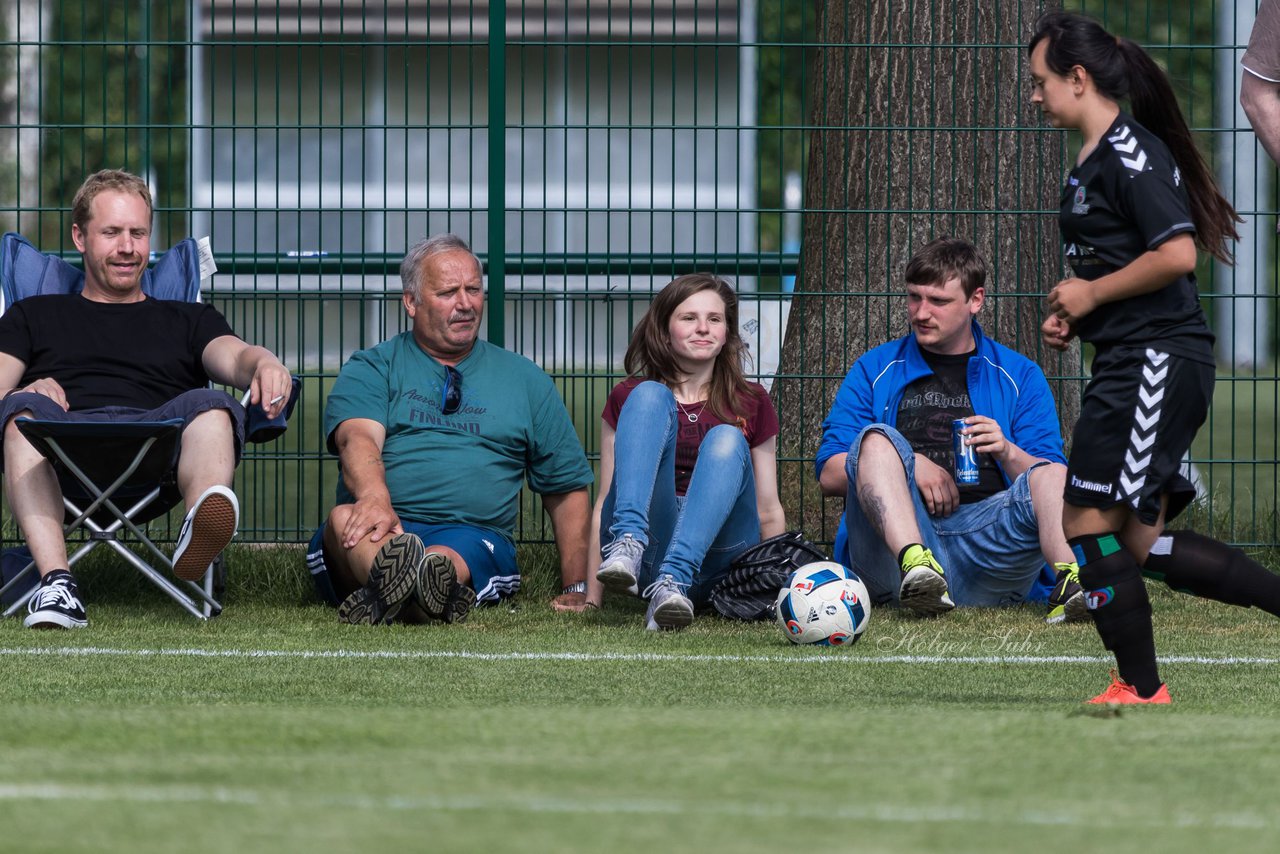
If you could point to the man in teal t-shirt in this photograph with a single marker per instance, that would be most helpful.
(435, 432)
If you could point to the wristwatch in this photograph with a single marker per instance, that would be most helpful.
(576, 587)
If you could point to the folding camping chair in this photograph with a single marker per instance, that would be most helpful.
(115, 477)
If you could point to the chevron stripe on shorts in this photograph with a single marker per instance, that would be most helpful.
(1146, 425)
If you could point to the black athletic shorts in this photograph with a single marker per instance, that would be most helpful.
(1140, 412)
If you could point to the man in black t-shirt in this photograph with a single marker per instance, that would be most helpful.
(914, 534)
(113, 353)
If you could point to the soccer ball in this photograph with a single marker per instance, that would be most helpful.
(824, 604)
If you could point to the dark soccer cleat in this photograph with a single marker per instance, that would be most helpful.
(924, 584)
(56, 604)
(1066, 602)
(392, 580)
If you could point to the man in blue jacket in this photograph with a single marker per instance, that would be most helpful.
(912, 533)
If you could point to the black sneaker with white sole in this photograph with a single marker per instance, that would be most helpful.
(56, 603)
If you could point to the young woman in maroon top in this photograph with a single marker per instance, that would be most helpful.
(688, 455)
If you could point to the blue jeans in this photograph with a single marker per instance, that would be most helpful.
(990, 549)
(692, 538)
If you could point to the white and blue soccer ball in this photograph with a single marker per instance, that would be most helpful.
(824, 604)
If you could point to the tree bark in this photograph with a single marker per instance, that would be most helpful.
(920, 128)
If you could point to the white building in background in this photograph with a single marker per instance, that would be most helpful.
(355, 129)
(1243, 314)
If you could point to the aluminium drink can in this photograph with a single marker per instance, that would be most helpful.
(966, 457)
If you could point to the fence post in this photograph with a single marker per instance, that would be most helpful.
(497, 171)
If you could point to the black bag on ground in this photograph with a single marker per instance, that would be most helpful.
(750, 587)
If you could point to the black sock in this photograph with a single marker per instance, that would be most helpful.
(55, 574)
(1196, 564)
(1117, 600)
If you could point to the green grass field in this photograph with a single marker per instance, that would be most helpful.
(274, 728)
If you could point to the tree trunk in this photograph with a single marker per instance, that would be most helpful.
(921, 128)
(28, 23)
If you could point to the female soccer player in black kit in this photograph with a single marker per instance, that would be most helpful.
(1135, 208)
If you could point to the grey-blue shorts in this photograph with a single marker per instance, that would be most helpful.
(186, 406)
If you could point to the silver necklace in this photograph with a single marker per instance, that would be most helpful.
(692, 416)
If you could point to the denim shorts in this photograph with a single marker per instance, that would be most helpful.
(990, 549)
(186, 406)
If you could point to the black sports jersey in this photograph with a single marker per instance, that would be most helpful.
(1125, 199)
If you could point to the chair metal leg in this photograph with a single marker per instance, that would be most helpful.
(84, 549)
(196, 599)
(202, 606)
(13, 582)
(101, 497)
(158, 580)
(210, 607)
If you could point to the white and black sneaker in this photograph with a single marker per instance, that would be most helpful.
(206, 531)
(56, 604)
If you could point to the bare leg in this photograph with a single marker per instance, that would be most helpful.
(884, 494)
(35, 499)
(1139, 538)
(1136, 537)
(349, 568)
(208, 455)
(1046, 499)
(1079, 521)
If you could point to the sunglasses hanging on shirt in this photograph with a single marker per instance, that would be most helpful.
(452, 391)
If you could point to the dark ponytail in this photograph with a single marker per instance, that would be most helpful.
(1121, 70)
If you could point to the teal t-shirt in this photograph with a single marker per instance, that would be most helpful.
(468, 467)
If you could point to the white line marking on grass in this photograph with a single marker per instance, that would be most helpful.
(882, 812)
(836, 657)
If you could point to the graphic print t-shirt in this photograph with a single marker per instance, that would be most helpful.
(466, 467)
(928, 407)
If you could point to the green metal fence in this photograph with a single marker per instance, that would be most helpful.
(588, 150)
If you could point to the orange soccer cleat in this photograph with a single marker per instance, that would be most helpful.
(1121, 693)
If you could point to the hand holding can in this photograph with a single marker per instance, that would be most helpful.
(966, 456)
